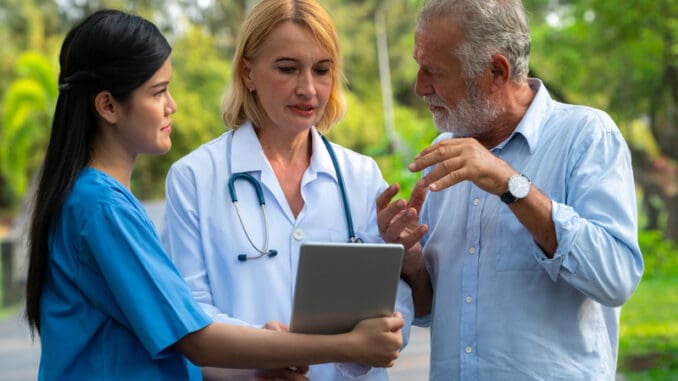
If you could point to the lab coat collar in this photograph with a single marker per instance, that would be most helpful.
(321, 162)
(246, 152)
(247, 155)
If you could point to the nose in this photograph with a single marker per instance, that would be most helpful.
(306, 84)
(422, 85)
(171, 106)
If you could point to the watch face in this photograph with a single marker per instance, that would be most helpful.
(519, 186)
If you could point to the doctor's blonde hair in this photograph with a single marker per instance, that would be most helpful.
(240, 104)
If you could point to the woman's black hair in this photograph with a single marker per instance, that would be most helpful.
(108, 50)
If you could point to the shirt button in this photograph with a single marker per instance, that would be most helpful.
(468, 299)
(476, 202)
(469, 350)
(298, 234)
(472, 250)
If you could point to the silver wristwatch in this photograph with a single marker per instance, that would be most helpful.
(518, 187)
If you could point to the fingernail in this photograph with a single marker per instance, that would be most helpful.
(411, 167)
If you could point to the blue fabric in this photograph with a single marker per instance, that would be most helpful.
(503, 310)
(204, 238)
(113, 302)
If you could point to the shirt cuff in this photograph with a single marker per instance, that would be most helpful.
(566, 222)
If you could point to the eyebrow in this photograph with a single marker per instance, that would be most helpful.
(160, 84)
(327, 60)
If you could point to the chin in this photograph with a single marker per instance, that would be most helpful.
(161, 149)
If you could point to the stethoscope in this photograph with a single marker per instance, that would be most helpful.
(264, 250)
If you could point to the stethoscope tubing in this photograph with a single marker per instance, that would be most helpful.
(264, 251)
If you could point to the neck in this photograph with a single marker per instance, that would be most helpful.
(112, 162)
(516, 101)
(286, 149)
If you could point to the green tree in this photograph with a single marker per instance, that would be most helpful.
(623, 59)
(27, 106)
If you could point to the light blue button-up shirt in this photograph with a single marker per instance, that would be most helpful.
(204, 237)
(502, 310)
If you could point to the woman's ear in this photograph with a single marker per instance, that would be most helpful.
(246, 74)
(106, 106)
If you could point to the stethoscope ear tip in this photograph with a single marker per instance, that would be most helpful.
(272, 253)
(242, 257)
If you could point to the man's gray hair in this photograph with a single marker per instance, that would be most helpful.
(489, 27)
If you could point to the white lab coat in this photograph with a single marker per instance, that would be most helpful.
(203, 235)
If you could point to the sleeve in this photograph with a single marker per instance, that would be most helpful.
(182, 239)
(150, 297)
(596, 226)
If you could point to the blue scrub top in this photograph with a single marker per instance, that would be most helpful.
(113, 303)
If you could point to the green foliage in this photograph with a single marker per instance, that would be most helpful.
(27, 106)
(660, 254)
(648, 345)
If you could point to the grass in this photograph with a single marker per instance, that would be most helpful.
(648, 346)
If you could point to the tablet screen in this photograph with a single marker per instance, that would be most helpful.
(340, 284)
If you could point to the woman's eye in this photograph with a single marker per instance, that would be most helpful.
(322, 71)
(286, 69)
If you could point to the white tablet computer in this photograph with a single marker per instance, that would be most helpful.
(340, 284)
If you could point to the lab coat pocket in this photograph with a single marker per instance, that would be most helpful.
(515, 246)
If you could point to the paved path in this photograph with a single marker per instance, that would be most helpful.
(19, 356)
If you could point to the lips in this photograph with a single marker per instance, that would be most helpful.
(303, 109)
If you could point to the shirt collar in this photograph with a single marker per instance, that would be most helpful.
(247, 155)
(530, 125)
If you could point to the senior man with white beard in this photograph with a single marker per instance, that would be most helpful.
(522, 232)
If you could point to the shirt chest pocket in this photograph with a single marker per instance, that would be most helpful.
(515, 246)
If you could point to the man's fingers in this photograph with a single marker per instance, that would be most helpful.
(413, 237)
(417, 197)
(385, 197)
(386, 215)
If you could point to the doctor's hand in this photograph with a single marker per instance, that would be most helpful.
(398, 221)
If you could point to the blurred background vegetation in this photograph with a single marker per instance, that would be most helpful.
(618, 56)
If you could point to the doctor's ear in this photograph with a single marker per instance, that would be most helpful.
(246, 74)
(106, 106)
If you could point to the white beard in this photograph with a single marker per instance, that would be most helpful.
(472, 116)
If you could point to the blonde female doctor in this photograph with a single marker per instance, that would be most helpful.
(239, 207)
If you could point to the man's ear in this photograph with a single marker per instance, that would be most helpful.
(500, 70)
(106, 106)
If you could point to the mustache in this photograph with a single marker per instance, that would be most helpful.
(433, 100)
